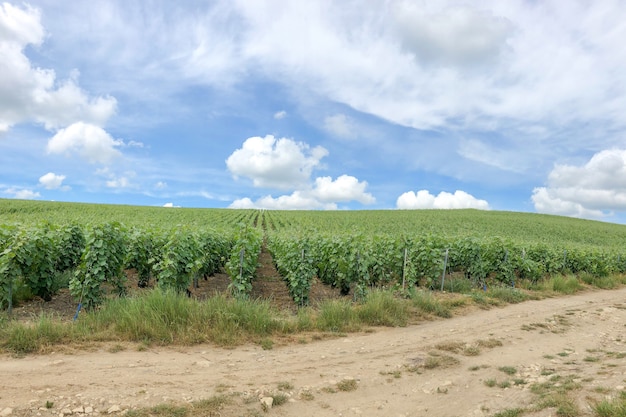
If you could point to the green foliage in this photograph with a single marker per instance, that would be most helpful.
(294, 262)
(242, 264)
(179, 260)
(102, 261)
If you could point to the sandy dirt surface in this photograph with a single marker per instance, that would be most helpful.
(581, 337)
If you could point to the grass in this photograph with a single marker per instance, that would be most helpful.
(509, 370)
(347, 385)
(425, 302)
(440, 361)
(511, 412)
(381, 308)
(562, 284)
(207, 407)
(508, 295)
(615, 407)
(564, 404)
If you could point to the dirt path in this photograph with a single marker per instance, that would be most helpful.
(582, 335)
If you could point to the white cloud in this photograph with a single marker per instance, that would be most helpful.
(593, 190)
(170, 205)
(21, 193)
(341, 126)
(160, 185)
(345, 188)
(295, 201)
(275, 163)
(280, 115)
(454, 35)
(29, 94)
(52, 181)
(91, 142)
(325, 194)
(423, 199)
(119, 182)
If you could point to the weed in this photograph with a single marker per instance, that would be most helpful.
(307, 395)
(504, 384)
(279, 399)
(285, 386)
(425, 302)
(116, 348)
(491, 382)
(347, 385)
(489, 343)
(267, 343)
(509, 370)
(443, 361)
(511, 412)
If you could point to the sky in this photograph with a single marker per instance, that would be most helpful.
(516, 105)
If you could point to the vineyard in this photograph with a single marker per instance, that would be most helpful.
(93, 246)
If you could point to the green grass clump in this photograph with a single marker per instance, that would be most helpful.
(563, 285)
(615, 407)
(508, 295)
(337, 316)
(604, 282)
(164, 317)
(511, 412)
(565, 405)
(22, 338)
(381, 308)
(425, 302)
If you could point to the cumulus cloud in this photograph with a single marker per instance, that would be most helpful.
(295, 201)
(593, 190)
(170, 205)
(21, 193)
(280, 115)
(52, 181)
(30, 94)
(325, 194)
(276, 163)
(91, 142)
(284, 163)
(345, 188)
(423, 199)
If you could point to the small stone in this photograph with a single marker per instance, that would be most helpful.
(114, 409)
(6, 412)
(66, 411)
(267, 402)
(88, 410)
(79, 410)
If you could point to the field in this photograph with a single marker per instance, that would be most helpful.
(214, 312)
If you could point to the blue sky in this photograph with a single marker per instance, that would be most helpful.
(394, 104)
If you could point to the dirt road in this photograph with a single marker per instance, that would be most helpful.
(438, 368)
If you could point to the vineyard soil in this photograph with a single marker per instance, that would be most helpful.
(581, 339)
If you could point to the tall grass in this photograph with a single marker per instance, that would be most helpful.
(507, 294)
(337, 316)
(164, 317)
(381, 308)
(425, 302)
(564, 285)
(26, 338)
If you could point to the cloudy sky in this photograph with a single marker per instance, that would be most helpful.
(503, 105)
